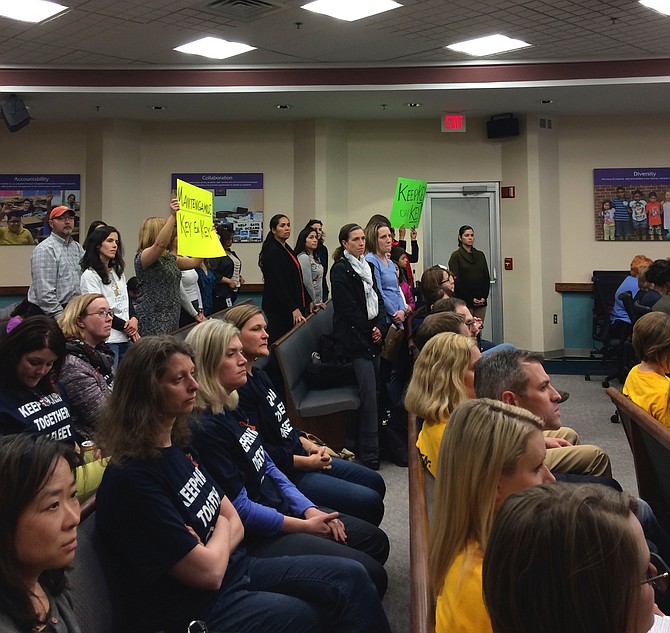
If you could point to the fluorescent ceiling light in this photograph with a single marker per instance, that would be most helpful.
(489, 45)
(662, 6)
(214, 47)
(29, 10)
(351, 10)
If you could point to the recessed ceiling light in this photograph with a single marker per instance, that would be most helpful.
(414, 104)
(546, 101)
(29, 10)
(351, 10)
(156, 107)
(283, 106)
(489, 45)
(662, 6)
(214, 47)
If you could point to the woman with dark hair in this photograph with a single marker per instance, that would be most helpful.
(278, 518)
(284, 296)
(332, 482)
(321, 254)
(471, 272)
(102, 269)
(177, 535)
(359, 321)
(227, 272)
(30, 401)
(571, 558)
(38, 537)
(93, 226)
(87, 375)
(312, 270)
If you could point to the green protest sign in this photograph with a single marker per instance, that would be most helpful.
(408, 203)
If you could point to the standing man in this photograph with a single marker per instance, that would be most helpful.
(54, 266)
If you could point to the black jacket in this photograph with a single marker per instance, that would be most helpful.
(350, 319)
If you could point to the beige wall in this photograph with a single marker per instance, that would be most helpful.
(346, 171)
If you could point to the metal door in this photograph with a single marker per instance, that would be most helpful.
(447, 208)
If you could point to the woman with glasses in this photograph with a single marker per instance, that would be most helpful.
(563, 558)
(30, 397)
(87, 374)
(102, 269)
(38, 537)
(178, 537)
(489, 450)
(443, 377)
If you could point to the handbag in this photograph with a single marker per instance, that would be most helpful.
(393, 342)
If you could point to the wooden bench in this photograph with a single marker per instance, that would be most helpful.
(422, 605)
(650, 444)
(323, 412)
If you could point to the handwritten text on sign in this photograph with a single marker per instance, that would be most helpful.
(408, 203)
(196, 236)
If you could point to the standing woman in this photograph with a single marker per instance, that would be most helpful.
(284, 296)
(358, 322)
(38, 537)
(87, 375)
(227, 273)
(471, 271)
(489, 451)
(103, 272)
(312, 270)
(378, 244)
(321, 254)
(159, 273)
(177, 536)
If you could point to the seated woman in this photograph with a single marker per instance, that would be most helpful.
(176, 536)
(40, 515)
(489, 450)
(279, 519)
(647, 384)
(570, 558)
(30, 400)
(335, 483)
(87, 374)
(443, 377)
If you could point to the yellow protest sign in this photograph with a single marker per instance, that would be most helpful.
(196, 236)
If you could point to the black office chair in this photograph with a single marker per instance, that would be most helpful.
(610, 336)
(640, 310)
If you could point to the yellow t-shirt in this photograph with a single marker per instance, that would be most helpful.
(460, 604)
(23, 237)
(428, 442)
(649, 391)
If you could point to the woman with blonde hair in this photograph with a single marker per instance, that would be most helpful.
(332, 482)
(158, 272)
(570, 558)
(278, 518)
(443, 377)
(489, 450)
(87, 374)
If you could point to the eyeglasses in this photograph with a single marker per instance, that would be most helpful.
(197, 626)
(660, 580)
(103, 314)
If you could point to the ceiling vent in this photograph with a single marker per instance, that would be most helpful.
(244, 10)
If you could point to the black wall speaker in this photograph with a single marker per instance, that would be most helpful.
(14, 113)
(502, 126)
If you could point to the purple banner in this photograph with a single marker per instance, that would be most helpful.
(221, 182)
(40, 181)
(626, 177)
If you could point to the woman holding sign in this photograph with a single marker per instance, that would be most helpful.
(471, 271)
(158, 271)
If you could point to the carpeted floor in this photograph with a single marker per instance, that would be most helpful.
(588, 411)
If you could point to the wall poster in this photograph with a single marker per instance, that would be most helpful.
(238, 201)
(25, 202)
(632, 204)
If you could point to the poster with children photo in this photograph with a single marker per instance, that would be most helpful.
(632, 204)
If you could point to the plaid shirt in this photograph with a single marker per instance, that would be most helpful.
(55, 271)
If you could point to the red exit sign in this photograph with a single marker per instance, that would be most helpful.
(453, 122)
